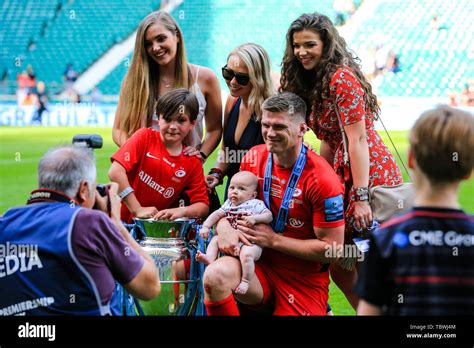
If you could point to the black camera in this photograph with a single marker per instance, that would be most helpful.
(102, 189)
(91, 141)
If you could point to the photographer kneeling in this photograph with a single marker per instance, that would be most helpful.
(59, 256)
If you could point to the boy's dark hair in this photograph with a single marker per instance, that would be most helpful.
(176, 102)
(442, 141)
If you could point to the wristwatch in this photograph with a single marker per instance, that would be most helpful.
(203, 156)
(361, 193)
(125, 192)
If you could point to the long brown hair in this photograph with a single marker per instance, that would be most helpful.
(140, 86)
(313, 86)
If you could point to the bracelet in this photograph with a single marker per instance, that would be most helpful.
(203, 155)
(126, 192)
(361, 193)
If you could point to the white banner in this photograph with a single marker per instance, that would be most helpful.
(58, 114)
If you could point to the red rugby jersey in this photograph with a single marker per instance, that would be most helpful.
(157, 177)
(317, 201)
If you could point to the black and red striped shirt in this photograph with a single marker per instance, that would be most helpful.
(421, 263)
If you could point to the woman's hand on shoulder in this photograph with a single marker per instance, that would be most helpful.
(191, 151)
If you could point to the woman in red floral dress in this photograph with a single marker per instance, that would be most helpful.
(319, 67)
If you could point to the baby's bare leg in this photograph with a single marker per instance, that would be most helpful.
(248, 256)
(211, 252)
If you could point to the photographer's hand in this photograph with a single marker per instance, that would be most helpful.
(102, 203)
(109, 204)
(114, 200)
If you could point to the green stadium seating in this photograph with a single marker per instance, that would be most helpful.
(212, 28)
(50, 34)
(79, 31)
(433, 62)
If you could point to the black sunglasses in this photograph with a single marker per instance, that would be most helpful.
(228, 74)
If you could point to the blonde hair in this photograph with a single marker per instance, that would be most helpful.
(140, 86)
(258, 64)
(442, 140)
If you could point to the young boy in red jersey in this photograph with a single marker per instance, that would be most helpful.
(151, 169)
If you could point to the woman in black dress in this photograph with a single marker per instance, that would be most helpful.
(247, 74)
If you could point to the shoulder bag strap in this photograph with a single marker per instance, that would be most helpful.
(345, 141)
(390, 138)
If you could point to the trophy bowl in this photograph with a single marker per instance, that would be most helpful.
(171, 244)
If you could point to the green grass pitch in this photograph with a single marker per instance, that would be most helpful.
(21, 149)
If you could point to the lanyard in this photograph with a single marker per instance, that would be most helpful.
(280, 222)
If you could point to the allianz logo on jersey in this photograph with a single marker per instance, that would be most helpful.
(148, 180)
(434, 238)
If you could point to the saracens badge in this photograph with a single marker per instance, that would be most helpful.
(180, 173)
(297, 192)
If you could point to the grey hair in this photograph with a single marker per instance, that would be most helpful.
(63, 168)
(286, 102)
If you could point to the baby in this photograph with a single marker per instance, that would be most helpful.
(240, 205)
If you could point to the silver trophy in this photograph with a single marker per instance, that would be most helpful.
(172, 245)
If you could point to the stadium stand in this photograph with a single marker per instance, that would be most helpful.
(50, 34)
(433, 61)
(212, 29)
(23, 23)
(111, 84)
(77, 31)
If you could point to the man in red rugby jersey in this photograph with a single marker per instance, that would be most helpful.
(306, 199)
